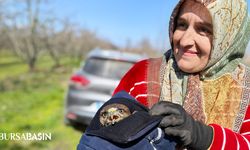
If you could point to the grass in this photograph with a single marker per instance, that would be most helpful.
(33, 102)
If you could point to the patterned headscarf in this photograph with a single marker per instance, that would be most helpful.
(231, 32)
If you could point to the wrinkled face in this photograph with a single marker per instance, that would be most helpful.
(192, 38)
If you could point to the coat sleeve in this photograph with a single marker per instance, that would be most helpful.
(227, 139)
(134, 82)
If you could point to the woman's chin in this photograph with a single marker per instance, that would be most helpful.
(188, 68)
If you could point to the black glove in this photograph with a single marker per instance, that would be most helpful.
(177, 123)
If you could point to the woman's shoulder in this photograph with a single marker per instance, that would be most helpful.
(144, 64)
(139, 66)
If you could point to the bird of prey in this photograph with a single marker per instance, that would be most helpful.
(113, 113)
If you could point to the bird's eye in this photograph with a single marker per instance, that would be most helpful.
(107, 124)
(104, 114)
(121, 110)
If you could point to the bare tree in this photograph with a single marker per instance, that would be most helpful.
(23, 30)
(145, 47)
(30, 31)
(55, 41)
(87, 40)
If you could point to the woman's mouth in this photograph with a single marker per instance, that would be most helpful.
(189, 53)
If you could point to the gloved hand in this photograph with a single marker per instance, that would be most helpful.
(177, 123)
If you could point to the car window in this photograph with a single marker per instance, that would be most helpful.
(113, 69)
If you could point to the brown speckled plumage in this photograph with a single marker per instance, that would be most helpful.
(113, 113)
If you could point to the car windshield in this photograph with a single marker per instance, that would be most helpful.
(113, 69)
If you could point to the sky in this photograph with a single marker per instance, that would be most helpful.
(121, 21)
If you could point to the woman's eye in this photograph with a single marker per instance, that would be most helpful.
(181, 25)
(205, 31)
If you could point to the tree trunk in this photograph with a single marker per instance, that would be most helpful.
(32, 63)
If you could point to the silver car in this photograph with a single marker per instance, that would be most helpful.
(94, 83)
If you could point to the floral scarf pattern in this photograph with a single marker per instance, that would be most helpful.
(231, 33)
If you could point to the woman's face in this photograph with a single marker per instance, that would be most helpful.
(192, 38)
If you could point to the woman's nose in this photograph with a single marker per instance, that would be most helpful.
(188, 38)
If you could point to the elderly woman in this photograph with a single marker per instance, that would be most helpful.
(200, 86)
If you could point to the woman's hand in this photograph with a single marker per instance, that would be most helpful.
(182, 127)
